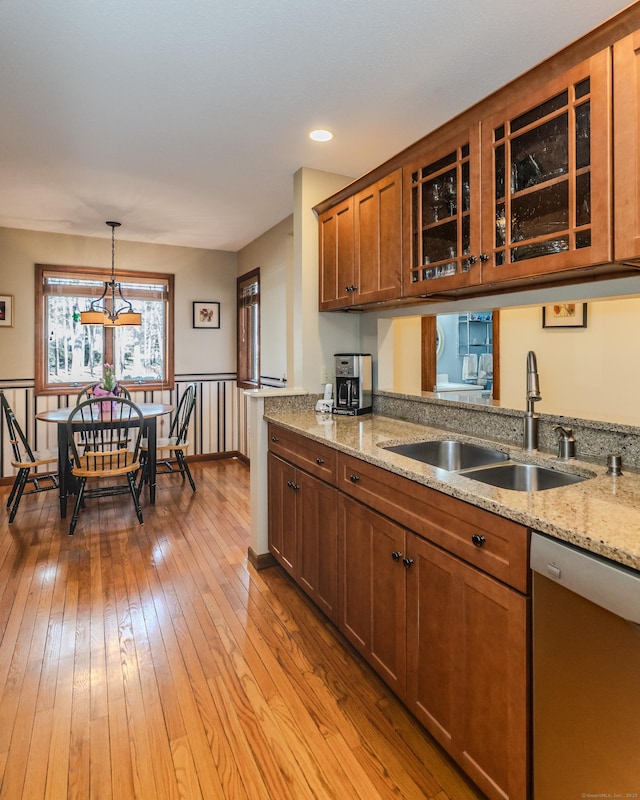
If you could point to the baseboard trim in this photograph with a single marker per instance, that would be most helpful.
(217, 456)
(261, 560)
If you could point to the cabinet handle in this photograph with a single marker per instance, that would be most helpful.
(484, 258)
(274, 439)
(354, 478)
(354, 288)
(407, 562)
(473, 259)
(396, 556)
(478, 539)
(290, 484)
(319, 461)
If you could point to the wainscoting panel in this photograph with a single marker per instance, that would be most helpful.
(218, 424)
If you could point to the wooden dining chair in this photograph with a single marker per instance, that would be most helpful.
(105, 445)
(28, 462)
(171, 451)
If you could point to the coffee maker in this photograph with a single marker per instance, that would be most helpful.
(353, 383)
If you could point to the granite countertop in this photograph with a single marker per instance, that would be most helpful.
(601, 514)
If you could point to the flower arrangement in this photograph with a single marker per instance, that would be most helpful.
(107, 390)
(109, 382)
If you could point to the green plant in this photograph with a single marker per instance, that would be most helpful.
(109, 381)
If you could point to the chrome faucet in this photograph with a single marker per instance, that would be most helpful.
(566, 442)
(533, 395)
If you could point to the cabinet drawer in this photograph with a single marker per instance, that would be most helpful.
(490, 542)
(312, 456)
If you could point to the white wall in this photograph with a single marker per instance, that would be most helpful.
(199, 275)
(315, 336)
(273, 253)
(590, 372)
(205, 355)
(407, 361)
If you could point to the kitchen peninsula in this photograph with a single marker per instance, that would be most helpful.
(601, 514)
(426, 571)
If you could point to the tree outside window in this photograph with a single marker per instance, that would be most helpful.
(70, 354)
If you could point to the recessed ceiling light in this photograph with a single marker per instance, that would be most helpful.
(321, 136)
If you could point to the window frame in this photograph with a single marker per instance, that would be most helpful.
(41, 387)
(243, 349)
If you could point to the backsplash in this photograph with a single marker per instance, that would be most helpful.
(594, 439)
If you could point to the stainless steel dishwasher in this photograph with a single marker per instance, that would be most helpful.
(586, 674)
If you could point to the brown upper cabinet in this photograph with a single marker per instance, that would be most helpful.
(626, 132)
(516, 191)
(525, 192)
(361, 246)
(442, 204)
(546, 177)
(336, 256)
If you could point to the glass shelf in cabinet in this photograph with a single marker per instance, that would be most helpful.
(441, 223)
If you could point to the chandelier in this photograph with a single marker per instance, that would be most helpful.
(103, 311)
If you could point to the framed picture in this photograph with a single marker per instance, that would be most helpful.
(6, 311)
(206, 314)
(564, 315)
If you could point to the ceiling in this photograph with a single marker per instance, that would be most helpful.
(187, 120)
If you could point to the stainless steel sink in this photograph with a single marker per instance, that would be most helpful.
(524, 477)
(449, 454)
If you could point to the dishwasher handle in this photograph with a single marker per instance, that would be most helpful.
(603, 582)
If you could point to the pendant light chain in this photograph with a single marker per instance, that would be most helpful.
(99, 313)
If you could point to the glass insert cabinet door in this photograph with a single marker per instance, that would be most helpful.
(443, 188)
(549, 158)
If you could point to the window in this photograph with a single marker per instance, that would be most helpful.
(248, 369)
(69, 354)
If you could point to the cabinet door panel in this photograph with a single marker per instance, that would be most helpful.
(492, 712)
(372, 589)
(441, 248)
(317, 525)
(378, 227)
(282, 512)
(432, 625)
(336, 256)
(546, 166)
(626, 102)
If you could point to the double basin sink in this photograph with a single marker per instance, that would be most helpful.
(485, 465)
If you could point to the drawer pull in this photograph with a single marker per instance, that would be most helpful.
(274, 439)
(478, 539)
(354, 478)
(396, 556)
(407, 562)
(319, 461)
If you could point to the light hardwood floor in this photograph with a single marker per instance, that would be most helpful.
(151, 661)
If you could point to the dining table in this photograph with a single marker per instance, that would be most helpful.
(66, 481)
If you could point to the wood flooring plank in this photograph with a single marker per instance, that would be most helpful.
(37, 764)
(186, 772)
(152, 661)
(60, 741)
